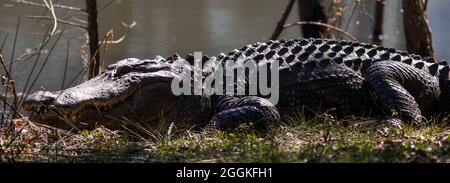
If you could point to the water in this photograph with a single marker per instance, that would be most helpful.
(165, 27)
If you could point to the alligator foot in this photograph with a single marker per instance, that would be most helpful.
(234, 111)
(394, 87)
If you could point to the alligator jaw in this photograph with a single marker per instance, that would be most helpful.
(52, 111)
(107, 94)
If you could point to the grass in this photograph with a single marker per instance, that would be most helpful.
(318, 140)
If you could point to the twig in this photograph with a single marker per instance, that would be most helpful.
(129, 27)
(43, 14)
(321, 24)
(109, 36)
(59, 20)
(14, 92)
(74, 16)
(49, 4)
(43, 5)
(279, 28)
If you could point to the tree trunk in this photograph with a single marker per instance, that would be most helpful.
(417, 28)
(377, 37)
(94, 66)
(312, 11)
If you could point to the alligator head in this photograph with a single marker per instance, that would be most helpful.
(131, 89)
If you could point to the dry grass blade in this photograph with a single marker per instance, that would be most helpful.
(44, 42)
(3, 43)
(108, 37)
(45, 62)
(14, 43)
(80, 73)
(11, 82)
(66, 64)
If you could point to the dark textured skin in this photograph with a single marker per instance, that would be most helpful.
(339, 77)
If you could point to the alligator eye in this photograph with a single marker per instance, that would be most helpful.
(123, 70)
(134, 78)
(109, 67)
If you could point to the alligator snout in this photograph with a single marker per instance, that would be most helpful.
(39, 100)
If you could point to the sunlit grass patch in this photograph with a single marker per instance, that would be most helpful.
(318, 140)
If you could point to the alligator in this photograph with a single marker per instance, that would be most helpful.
(340, 77)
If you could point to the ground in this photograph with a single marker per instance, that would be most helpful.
(319, 140)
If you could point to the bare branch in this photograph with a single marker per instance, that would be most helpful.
(50, 6)
(129, 27)
(44, 6)
(279, 28)
(59, 20)
(321, 24)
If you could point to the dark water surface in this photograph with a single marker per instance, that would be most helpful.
(165, 27)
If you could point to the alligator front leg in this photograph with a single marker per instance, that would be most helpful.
(233, 111)
(400, 88)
